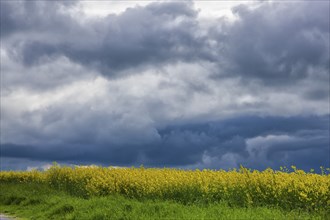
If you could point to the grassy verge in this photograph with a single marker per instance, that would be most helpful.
(32, 201)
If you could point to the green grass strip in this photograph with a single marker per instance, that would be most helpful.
(37, 201)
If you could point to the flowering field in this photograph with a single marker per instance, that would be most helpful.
(288, 190)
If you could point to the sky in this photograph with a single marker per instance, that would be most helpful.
(184, 84)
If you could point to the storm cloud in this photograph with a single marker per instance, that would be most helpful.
(157, 33)
(158, 85)
(278, 43)
(268, 141)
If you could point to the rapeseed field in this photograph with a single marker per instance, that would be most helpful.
(293, 189)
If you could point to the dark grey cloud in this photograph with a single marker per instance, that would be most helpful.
(267, 142)
(317, 94)
(24, 16)
(306, 152)
(304, 136)
(276, 43)
(8, 163)
(142, 35)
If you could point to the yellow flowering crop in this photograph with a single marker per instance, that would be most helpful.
(241, 187)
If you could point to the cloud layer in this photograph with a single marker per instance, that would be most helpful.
(155, 85)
